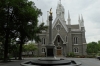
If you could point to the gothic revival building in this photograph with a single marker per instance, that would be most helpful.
(67, 38)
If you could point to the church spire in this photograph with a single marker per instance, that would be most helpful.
(69, 18)
(79, 18)
(82, 18)
(60, 1)
(68, 15)
(79, 22)
(60, 11)
(82, 21)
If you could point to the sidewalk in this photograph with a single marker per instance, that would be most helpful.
(11, 63)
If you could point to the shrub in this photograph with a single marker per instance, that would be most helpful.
(90, 56)
(98, 54)
(71, 54)
(82, 56)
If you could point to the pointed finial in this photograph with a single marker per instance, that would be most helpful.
(82, 18)
(69, 20)
(82, 21)
(79, 21)
(60, 1)
(47, 14)
(68, 15)
(79, 17)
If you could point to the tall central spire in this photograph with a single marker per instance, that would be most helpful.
(59, 1)
(68, 15)
(60, 10)
(69, 20)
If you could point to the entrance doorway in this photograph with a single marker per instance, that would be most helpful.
(59, 51)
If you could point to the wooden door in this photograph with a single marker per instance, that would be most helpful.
(59, 52)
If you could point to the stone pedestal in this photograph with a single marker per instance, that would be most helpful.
(50, 51)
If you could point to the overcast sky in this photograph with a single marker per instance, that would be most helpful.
(90, 9)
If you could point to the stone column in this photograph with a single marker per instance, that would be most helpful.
(50, 47)
(50, 29)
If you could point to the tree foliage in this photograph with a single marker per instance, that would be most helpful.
(92, 47)
(19, 19)
(13, 50)
(99, 45)
(29, 47)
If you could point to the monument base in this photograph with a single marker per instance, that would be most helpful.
(50, 50)
(51, 62)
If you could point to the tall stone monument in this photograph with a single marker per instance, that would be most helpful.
(50, 47)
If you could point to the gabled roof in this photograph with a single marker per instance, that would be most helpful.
(60, 37)
(64, 25)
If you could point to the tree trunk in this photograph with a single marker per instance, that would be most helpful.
(20, 48)
(6, 39)
(20, 52)
(6, 47)
(15, 54)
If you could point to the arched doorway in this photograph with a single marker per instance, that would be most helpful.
(58, 42)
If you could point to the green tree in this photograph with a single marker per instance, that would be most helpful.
(99, 45)
(6, 24)
(92, 47)
(19, 18)
(13, 49)
(1, 50)
(29, 47)
(27, 14)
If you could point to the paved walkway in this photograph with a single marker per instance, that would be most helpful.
(12, 63)
(84, 61)
(87, 61)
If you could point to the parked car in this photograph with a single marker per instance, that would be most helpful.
(98, 57)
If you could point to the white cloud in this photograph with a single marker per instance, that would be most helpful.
(90, 10)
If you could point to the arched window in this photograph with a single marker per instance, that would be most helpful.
(58, 27)
(43, 49)
(43, 40)
(75, 40)
(58, 39)
(76, 50)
